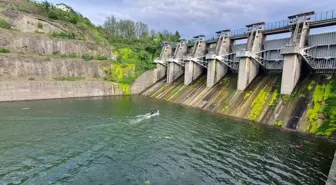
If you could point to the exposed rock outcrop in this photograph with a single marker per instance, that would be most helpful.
(41, 44)
(23, 67)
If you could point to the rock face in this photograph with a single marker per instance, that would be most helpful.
(28, 23)
(15, 91)
(40, 44)
(23, 67)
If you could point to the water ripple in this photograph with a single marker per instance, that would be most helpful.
(112, 144)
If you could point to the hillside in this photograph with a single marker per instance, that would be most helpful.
(39, 28)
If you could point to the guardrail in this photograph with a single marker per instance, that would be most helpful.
(241, 31)
(331, 14)
(277, 25)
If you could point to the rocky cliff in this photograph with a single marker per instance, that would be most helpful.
(30, 67)
(41, 44)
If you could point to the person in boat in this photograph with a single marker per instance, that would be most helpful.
(153, 112)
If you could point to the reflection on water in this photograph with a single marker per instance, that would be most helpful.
(114, 141)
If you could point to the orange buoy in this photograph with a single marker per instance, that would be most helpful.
(297, 146)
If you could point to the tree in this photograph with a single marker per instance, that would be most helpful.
(46, 5)
(176, 37)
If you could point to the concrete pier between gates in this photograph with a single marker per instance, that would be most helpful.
(291, 73)
(195, 62)
(175, 65)
(174, 71)
(192, 71)
(216, 69)
(248, 68)
(292, 58)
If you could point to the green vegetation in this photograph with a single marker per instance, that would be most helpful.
(317, 109)
(40, 25)
(4, 24)
(311, 85)
(64, 35)
(134, 43)
(322, 113)
(287, 98)
(101, 58)
(274, 99)
(120, 73)
(87, 57)
(278, 123)
(258, 104)
(69, 78)
(4, 50)
(248, 94)
(126, 89)
(71, 55)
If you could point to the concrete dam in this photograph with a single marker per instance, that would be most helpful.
(269, 81)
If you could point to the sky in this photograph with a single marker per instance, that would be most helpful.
(194, 17)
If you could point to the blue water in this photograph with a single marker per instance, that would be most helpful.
(113, 141)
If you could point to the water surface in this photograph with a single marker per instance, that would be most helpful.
(107, 141)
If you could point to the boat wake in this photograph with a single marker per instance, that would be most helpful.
(137, 119)
(140, 118)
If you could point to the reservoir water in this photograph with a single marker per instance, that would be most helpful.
(111, 141)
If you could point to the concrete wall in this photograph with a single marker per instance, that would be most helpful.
(332, 173)
(216, 69)
(15, 91)
(147, 79)
(174, 71)
(248, 68)
(23, 67)
(192, 72)
(291, 73)
(40, 44)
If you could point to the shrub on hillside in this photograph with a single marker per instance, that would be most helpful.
(4, 50)
(52, 15)
(101, 58)
(4, 24)
(69, 78)
(40, 25)
(87, 57)
(64, 35)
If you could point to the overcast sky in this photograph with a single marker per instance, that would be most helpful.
(192, 17)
